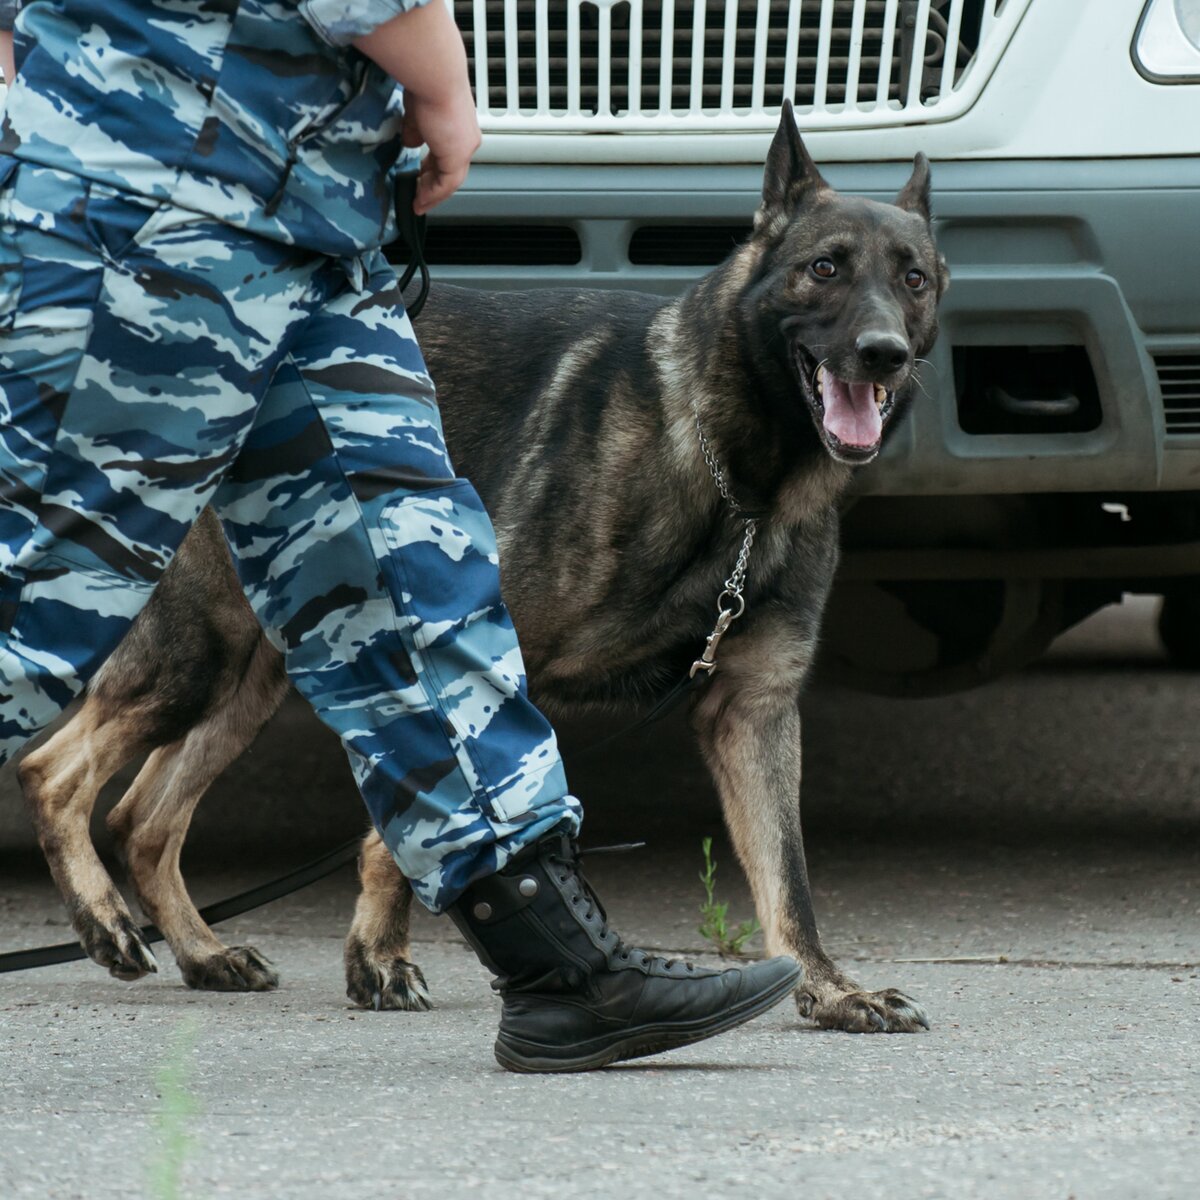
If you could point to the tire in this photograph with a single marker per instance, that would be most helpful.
(1179, 625)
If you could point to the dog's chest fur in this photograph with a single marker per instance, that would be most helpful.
(573, 415)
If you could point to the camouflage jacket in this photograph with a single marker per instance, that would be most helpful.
(257, 112)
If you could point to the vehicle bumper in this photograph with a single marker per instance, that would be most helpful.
(1096, 253)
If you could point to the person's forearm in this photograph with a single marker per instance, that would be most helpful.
(422, 49)
(6, 55)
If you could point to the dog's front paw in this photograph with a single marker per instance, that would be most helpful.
(392, 984)
(235, 969)
(889, 1011)
(115, 943)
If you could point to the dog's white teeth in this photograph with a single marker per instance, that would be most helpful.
(880, 395)
(820, 380)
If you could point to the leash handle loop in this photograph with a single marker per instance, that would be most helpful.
(412, 232)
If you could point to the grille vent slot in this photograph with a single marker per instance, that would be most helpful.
(685, 245)
(1179, 378)
(448, 243)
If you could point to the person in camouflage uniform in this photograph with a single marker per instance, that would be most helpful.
(195, 309)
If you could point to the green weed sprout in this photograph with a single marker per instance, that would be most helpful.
(714, 926)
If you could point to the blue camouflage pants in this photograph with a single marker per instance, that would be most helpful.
(153, 361)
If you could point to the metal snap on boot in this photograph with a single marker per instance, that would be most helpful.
(575, 997)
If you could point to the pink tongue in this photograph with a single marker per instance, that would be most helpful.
(851, 414)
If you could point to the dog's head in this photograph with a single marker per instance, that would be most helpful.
(847, 295)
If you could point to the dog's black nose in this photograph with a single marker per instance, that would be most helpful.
(881, 352)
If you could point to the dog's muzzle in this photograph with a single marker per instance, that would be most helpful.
(850, 415)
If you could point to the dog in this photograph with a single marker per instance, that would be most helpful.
(587, 420)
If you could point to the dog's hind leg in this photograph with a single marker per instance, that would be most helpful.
(61, 780)
(379, 974)
(748, 724)
(152, 819)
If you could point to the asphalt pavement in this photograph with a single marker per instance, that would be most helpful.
(1023, 859)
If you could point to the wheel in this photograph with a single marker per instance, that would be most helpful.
(1179, 625)
(931, 637)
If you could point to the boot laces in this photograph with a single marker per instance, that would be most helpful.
(568, 865)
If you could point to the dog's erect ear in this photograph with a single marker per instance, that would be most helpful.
(791, 173)
(914, 195)
(943, 276)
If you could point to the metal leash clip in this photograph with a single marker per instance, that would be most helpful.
(707, 662)
(731, 603)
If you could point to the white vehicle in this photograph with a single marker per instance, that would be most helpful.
(1052, 459)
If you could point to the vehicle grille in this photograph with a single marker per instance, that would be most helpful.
(452, 243)
(1179, 378)
(613, 65)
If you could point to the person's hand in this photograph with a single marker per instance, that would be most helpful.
(423, 49)
(450, 128)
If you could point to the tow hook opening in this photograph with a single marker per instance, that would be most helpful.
(1025, 389)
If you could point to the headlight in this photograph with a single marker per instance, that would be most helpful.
(1166, 47)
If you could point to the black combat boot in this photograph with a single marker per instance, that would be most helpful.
(575, 997)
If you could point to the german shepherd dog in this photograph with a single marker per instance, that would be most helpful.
(582, 418)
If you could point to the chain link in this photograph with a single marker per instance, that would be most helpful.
(731, 603)
(736, 582)
(713, 465)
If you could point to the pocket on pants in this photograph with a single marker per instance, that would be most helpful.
(76, 611)
(444, 549)
(444, 569)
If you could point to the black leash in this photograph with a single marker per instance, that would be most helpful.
(243, 902)
(293, 881)
(668, 703)
(412, 233)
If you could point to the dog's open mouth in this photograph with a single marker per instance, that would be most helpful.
(850, 414)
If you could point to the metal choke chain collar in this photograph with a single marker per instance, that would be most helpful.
(731, 603)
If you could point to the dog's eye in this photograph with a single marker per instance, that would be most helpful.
(824, 268)
(916, 280)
